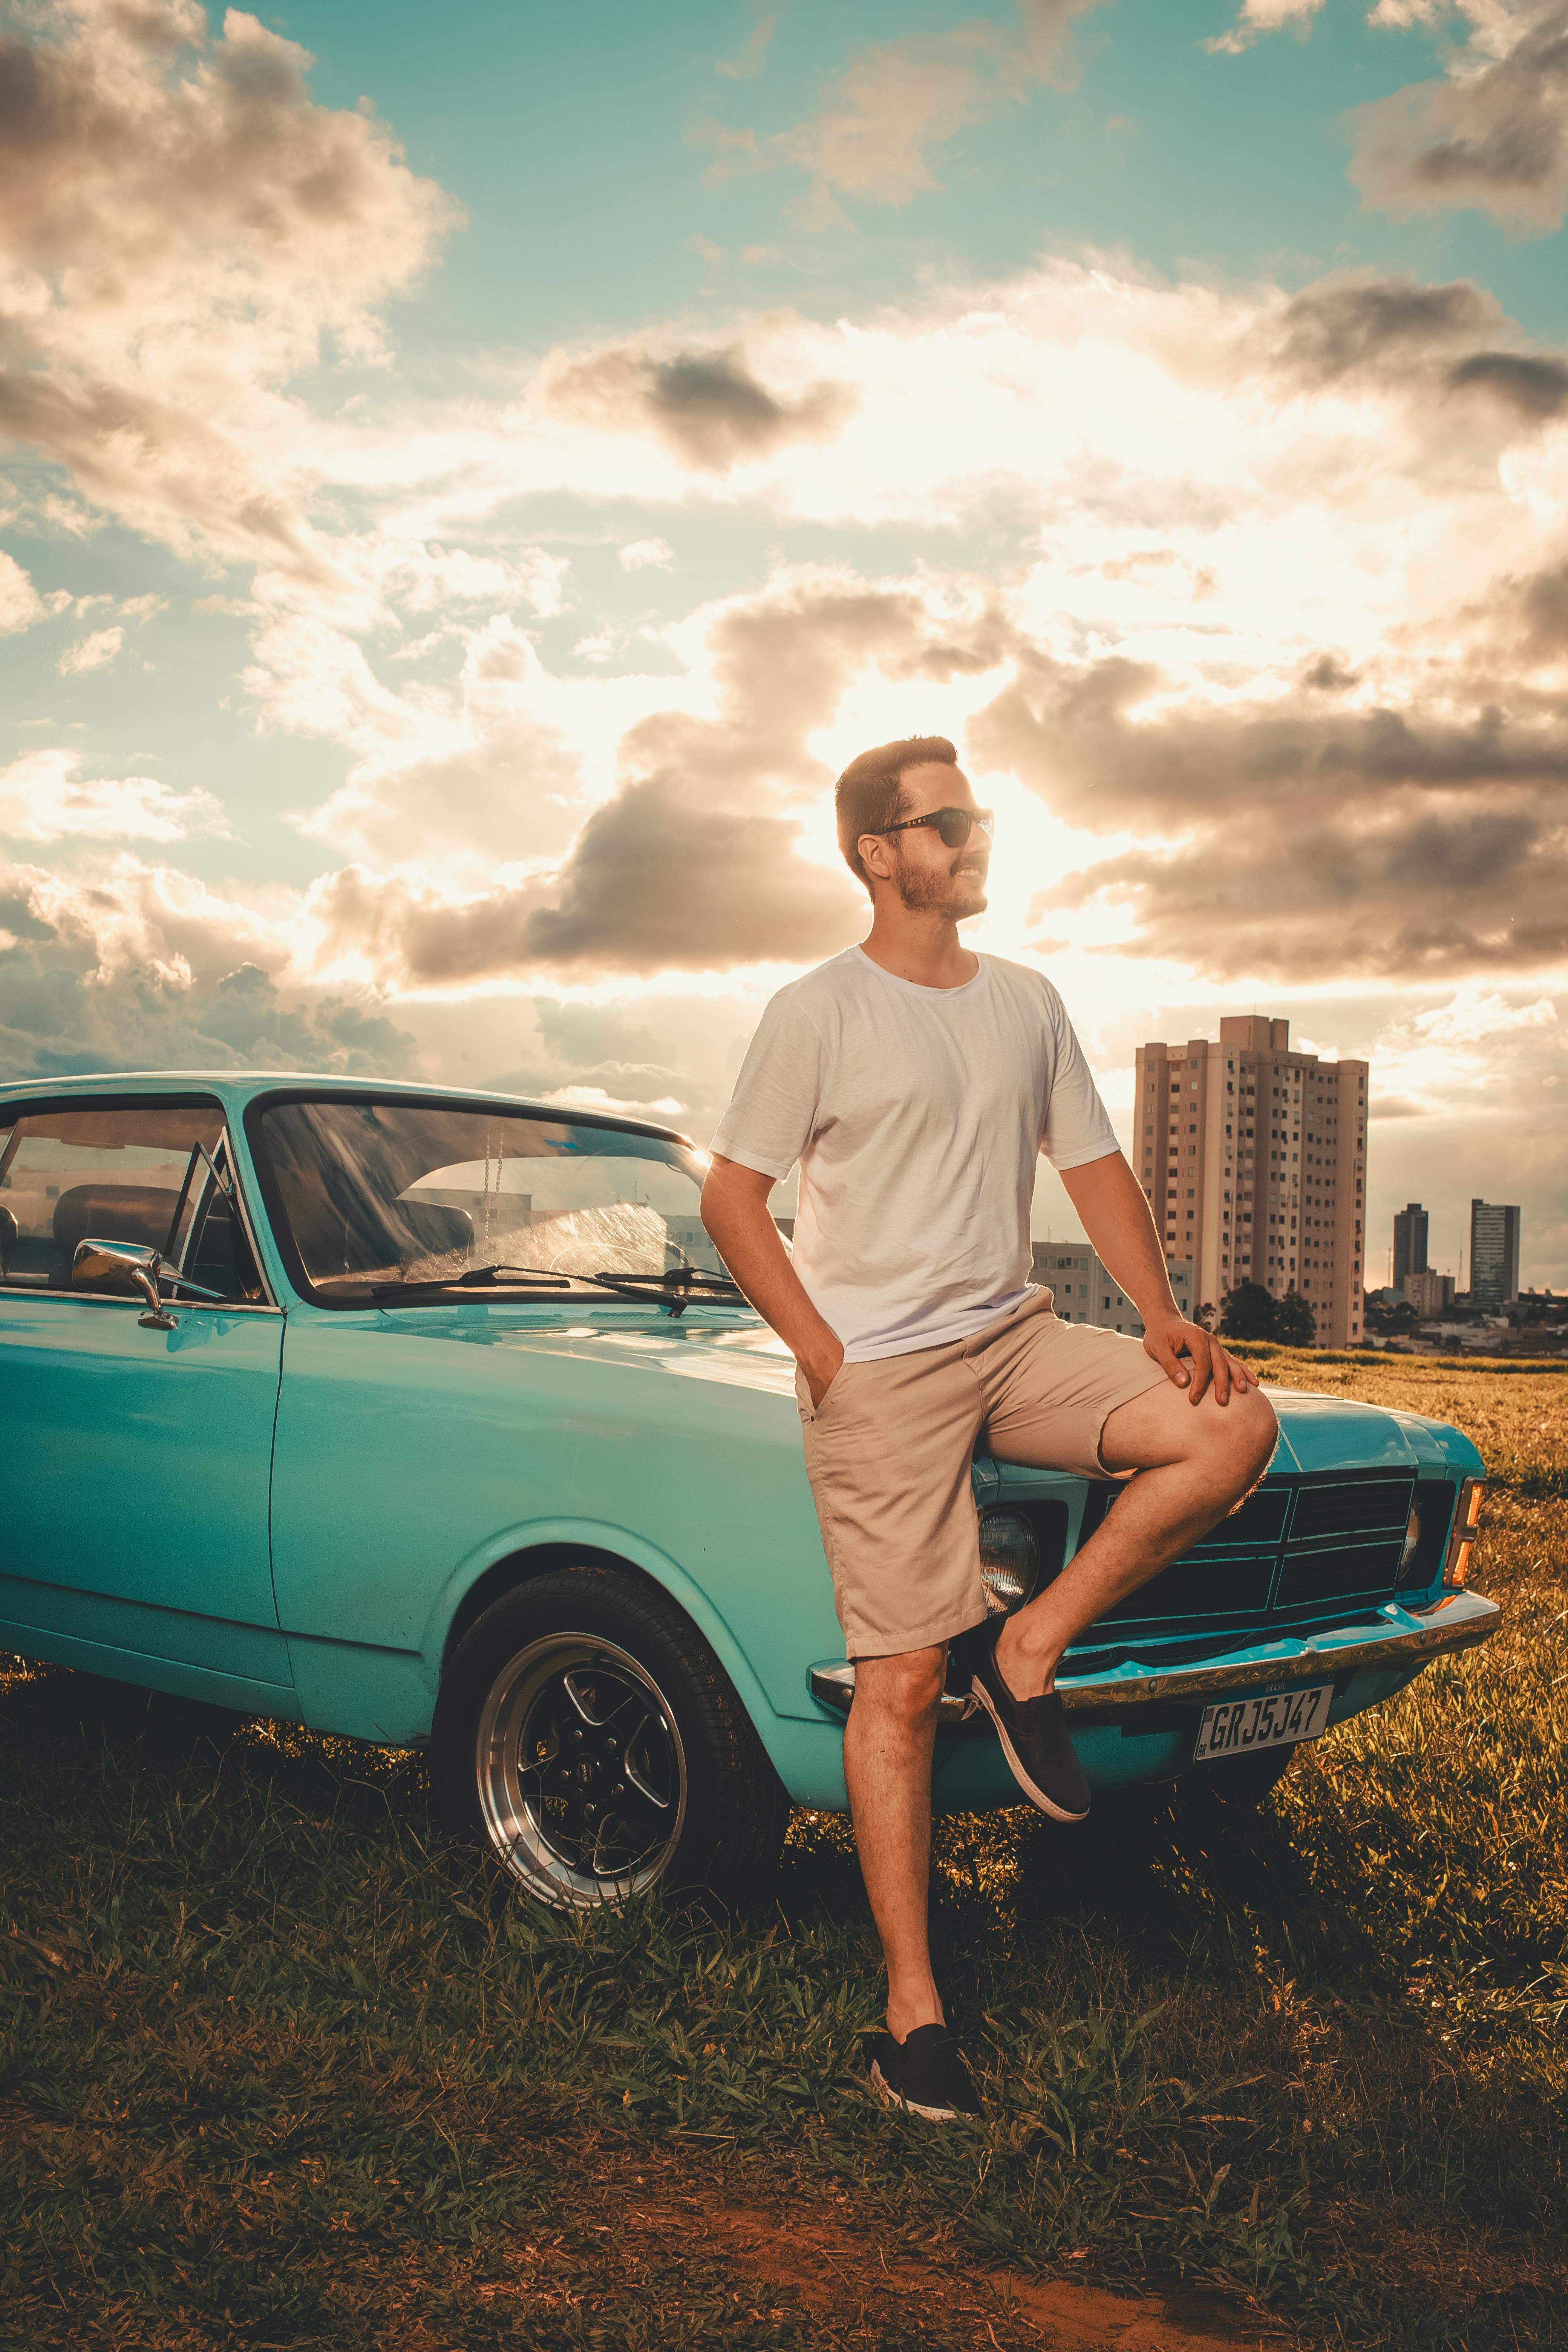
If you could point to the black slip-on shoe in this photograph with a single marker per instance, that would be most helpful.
(924, 2073)
(1033, 1736)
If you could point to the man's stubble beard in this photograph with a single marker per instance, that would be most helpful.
(923, 893)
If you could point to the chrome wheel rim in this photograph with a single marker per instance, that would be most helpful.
(581, 1771)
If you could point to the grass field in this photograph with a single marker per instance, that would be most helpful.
(280, 2070)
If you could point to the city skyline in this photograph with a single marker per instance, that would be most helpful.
(467, 487)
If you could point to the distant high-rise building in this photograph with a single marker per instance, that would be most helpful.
(1085, 1292)
(1494, 1253)
(1409, 1243)
(1428, 1293)
(1253, 1157)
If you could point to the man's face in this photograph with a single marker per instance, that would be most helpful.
(929, 878)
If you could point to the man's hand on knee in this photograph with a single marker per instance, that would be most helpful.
(1191, 1358)
(1156, 1431)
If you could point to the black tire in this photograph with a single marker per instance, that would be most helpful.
(588, 1737)
(1239, 1782)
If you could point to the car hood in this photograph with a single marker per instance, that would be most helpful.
(1333, 1433)
(739, 1354)
(1316, 1433)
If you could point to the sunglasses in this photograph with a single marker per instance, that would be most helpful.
(953, 825)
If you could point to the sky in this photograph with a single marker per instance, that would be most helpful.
(469, 483)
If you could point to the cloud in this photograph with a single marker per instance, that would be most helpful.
(20, 603)
(159, 468)
(658, 880)
(654, 882)
(1537, 608)
(875, 133)
(1420, 843)
(1260, 16)
(428, 579)
(706, 407)
(648, 555)
(596, 1099)
(41, 799)
(1364, 329)
(1474, 1014)
(1491, 135)
(1536, 388)
(1355, 325)
(94, 652)
(692, 864)
(181, 228)
(589, 1053)
(758, 42)
(133, 139)
(478, 775)
(1403, 892)
(136, 969)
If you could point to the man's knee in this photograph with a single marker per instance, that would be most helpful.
(907, 1688)
(1240, 1442)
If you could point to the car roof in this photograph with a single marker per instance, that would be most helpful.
(240, 1086)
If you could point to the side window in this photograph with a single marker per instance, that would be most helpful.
(217, 1253)
(121, 1172)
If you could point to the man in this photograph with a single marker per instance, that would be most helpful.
(916, 1082)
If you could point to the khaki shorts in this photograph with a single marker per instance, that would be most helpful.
(887, 1453)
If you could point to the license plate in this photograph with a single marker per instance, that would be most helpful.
(1235, 1727)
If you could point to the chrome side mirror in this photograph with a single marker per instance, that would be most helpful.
(125, 1266)
(129, 1267)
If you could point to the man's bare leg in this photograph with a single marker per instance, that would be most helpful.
(888, 1747)
(1196, 1463)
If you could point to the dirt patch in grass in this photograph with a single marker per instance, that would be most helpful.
(859, 2279)
(639, 2235)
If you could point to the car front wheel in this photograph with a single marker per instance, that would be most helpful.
(587, 1735)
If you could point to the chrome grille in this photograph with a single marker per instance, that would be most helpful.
(1297, 1547)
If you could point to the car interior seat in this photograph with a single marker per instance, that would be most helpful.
(110, 1213)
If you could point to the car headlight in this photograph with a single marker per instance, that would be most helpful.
(1411, 1540)
(1462, 1542)
(1009, 1560)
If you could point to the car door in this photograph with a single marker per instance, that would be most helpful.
(135, 1471)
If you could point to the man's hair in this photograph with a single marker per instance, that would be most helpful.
(869, 794)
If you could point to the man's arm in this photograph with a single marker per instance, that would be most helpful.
(1115, 1216)
(735, 1213)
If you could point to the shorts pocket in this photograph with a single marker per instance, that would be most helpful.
(811, 1414)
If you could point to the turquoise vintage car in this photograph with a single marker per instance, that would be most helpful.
(432, 1418)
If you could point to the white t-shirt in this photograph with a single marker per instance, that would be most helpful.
(916, 1115)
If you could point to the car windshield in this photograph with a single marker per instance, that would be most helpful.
(412, 1192)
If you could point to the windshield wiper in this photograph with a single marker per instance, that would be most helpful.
(475, 1277)
(681, 1286)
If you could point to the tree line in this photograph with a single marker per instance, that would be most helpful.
(1252, 1312)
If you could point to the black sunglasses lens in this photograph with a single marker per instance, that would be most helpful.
(953, 825)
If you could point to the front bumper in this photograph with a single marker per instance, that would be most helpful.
(1401, 1642)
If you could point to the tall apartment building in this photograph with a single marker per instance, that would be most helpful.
(1086, 1293)
(1431, 1294)
(1409, 1243)
(1494, 1253)
(1253, 1156)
